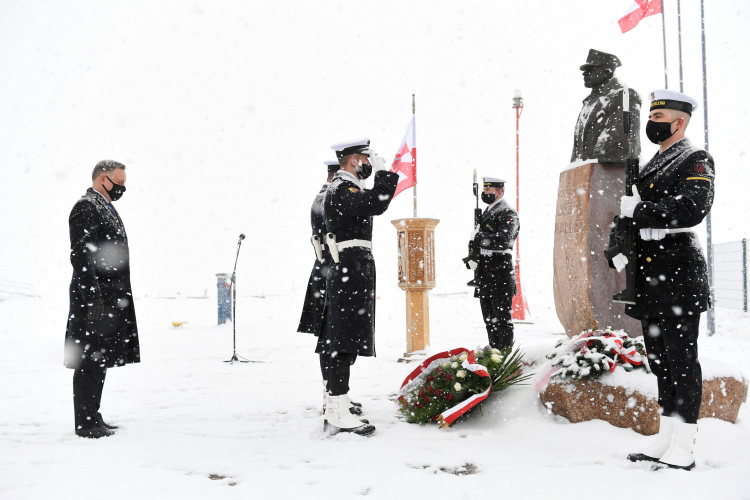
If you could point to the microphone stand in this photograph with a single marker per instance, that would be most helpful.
(235, 357)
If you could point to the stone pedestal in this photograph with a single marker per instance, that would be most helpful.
(588, 198)
(416, 275)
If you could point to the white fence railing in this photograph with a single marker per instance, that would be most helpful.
(730, 275)
(15, 288)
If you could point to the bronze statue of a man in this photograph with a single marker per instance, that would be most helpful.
(599, 133)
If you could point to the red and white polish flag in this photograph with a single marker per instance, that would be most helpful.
(405, 162)
(637, 11)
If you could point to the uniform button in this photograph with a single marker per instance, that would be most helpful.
(648, 259)
(651, 186)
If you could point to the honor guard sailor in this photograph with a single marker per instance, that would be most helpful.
(348, 210)
(314, 310)
(674, 194)
(101, 330)
(494, 275)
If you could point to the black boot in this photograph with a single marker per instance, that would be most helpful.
(95, 433)
(103, 423)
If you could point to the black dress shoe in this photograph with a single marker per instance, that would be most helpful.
(95, 433)
(681, 467)
(103, 423)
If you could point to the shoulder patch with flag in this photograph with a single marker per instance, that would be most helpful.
(354, 190)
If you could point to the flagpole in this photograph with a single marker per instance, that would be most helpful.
(679, 40)
(664, 41)
(414, 158)
(711, 316)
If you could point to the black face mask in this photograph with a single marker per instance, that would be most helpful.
(658, 132)
(116, 192)
(364, 170)
(488, 198)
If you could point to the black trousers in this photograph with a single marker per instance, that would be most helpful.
(87, 396)
(496, 311)
(336, 368)
(672, 348)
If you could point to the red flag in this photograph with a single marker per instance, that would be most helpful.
(405, 162)
(637, 11)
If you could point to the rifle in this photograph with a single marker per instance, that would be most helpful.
(625, 233)
(473, 251)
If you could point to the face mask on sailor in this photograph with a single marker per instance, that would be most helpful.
(364, 170)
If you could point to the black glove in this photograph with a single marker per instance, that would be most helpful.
(96, 309)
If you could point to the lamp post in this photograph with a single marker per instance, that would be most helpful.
(519, 303)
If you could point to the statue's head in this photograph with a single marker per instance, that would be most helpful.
(599, 68)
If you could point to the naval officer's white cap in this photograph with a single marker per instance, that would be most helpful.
(671, 99)
(356, 146)
(493, 182)
(333, 165)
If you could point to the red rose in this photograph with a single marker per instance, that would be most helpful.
(430, 389)
(449, 396)
(430, 378)
(438, 392)
(427, 400)
(438, 370)
(419, 406)
(448, 377)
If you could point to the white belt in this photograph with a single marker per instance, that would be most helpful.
(353, 243)
(680, 230)
(485, 252)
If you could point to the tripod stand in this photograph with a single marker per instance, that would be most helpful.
(235, 357)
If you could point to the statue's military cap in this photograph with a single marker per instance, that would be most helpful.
(598, 58)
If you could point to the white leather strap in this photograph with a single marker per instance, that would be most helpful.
(490, 252)
(354, 243)
(680, 230)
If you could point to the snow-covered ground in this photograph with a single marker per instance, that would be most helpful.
(185, 416)
(223, 112)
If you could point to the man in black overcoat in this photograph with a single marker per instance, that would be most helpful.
(674, 194)
(494, 273)
(348, 210)
(314, 310)
(101, 331)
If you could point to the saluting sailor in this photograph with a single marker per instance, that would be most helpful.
(348, 210)
(313, 317)
(494, 274)
(674, 194)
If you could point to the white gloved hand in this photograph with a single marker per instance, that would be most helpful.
(653, 234)
(473, 265)
(620, 261)
(628, 203)
(377, 162)
(473, 233)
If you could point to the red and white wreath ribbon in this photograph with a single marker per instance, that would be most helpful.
(449, 416)
(546, 371)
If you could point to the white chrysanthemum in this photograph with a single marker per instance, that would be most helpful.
(463, 357)
(457, 386)
(496, 358)
(461, 373)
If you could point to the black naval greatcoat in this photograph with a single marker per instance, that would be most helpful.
(677, 191)
(313, 311)
(498, 230)
(101, 268)
(350, 288)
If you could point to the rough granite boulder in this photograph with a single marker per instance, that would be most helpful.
(629, 400)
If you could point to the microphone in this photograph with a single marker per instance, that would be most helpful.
(242, 236)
